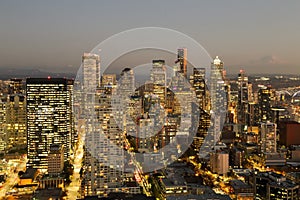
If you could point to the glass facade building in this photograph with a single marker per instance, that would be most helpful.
(48, 118)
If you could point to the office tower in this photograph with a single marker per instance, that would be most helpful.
(105, 118)
(243, 94)
(100, 174)
(204, 123)
(158, 77)
(219, 162)
(16, 120)
(289, 133)
(86, 113)
(54, 177)
(276, 111)
(268, 145)
(236, 157)
(108, 80)
(198, 83)
(185, 108)
(55, 159)
(260, 185)
(268, 137)
(73, 137)
(270, 185)
(175, 70)
(3, 139)
(170, 98)
(217, 86)
(91, 71)
(126, 83)
(144, 142)
(218, 97)
(124, 110)
(104, 163)
(250, 92)
(253, 114)
(199, 86)
(264, 101)
(16, 86)
(182, 61)
(48, 120)
(170, 128)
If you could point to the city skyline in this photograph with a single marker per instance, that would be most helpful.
(149, 100)
(255, 36)
(190, 135)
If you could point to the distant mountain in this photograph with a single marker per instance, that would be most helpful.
(7, 73)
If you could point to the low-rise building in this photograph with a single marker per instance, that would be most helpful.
(270, 185)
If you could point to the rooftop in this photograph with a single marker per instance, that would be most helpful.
(29, 173)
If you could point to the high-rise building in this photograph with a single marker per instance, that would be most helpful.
(55, 159)
(270, 185)
(3, 139)
(268, 145)
(289, 133)
(90, 71)
(264, 101)
(204, 123)
(126, 83)
(48, 119)
(219, 162)
(198, 83)
(217, 86)
(108, 80)
(74, 133)
(16, 120)
(182, 61)
(144, 142)
(158, 77)
(218, 95)
(199, 86)
(100, 175)
(16, 86)
(104, 112)
(243, 94)
(124, 103)
(268, 137)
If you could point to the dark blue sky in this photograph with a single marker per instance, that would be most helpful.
(259, 36)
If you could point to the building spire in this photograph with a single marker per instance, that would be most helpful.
(217, 61)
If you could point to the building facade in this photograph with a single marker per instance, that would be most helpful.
(48, 119)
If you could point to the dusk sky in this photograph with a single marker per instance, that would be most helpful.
(258, 36)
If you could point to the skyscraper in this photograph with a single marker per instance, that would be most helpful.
(16, 86)
(16, 120)
(243, 114)
(158, 77)
(91, 71)
(217, 86)
(48, 118)
(264, 103)
(218, 96)
(3, 139)
(86, 113)
(74, 134)
(199, 86)
(104, 104)
(182, 61)
(268, 137)
(219, 162)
